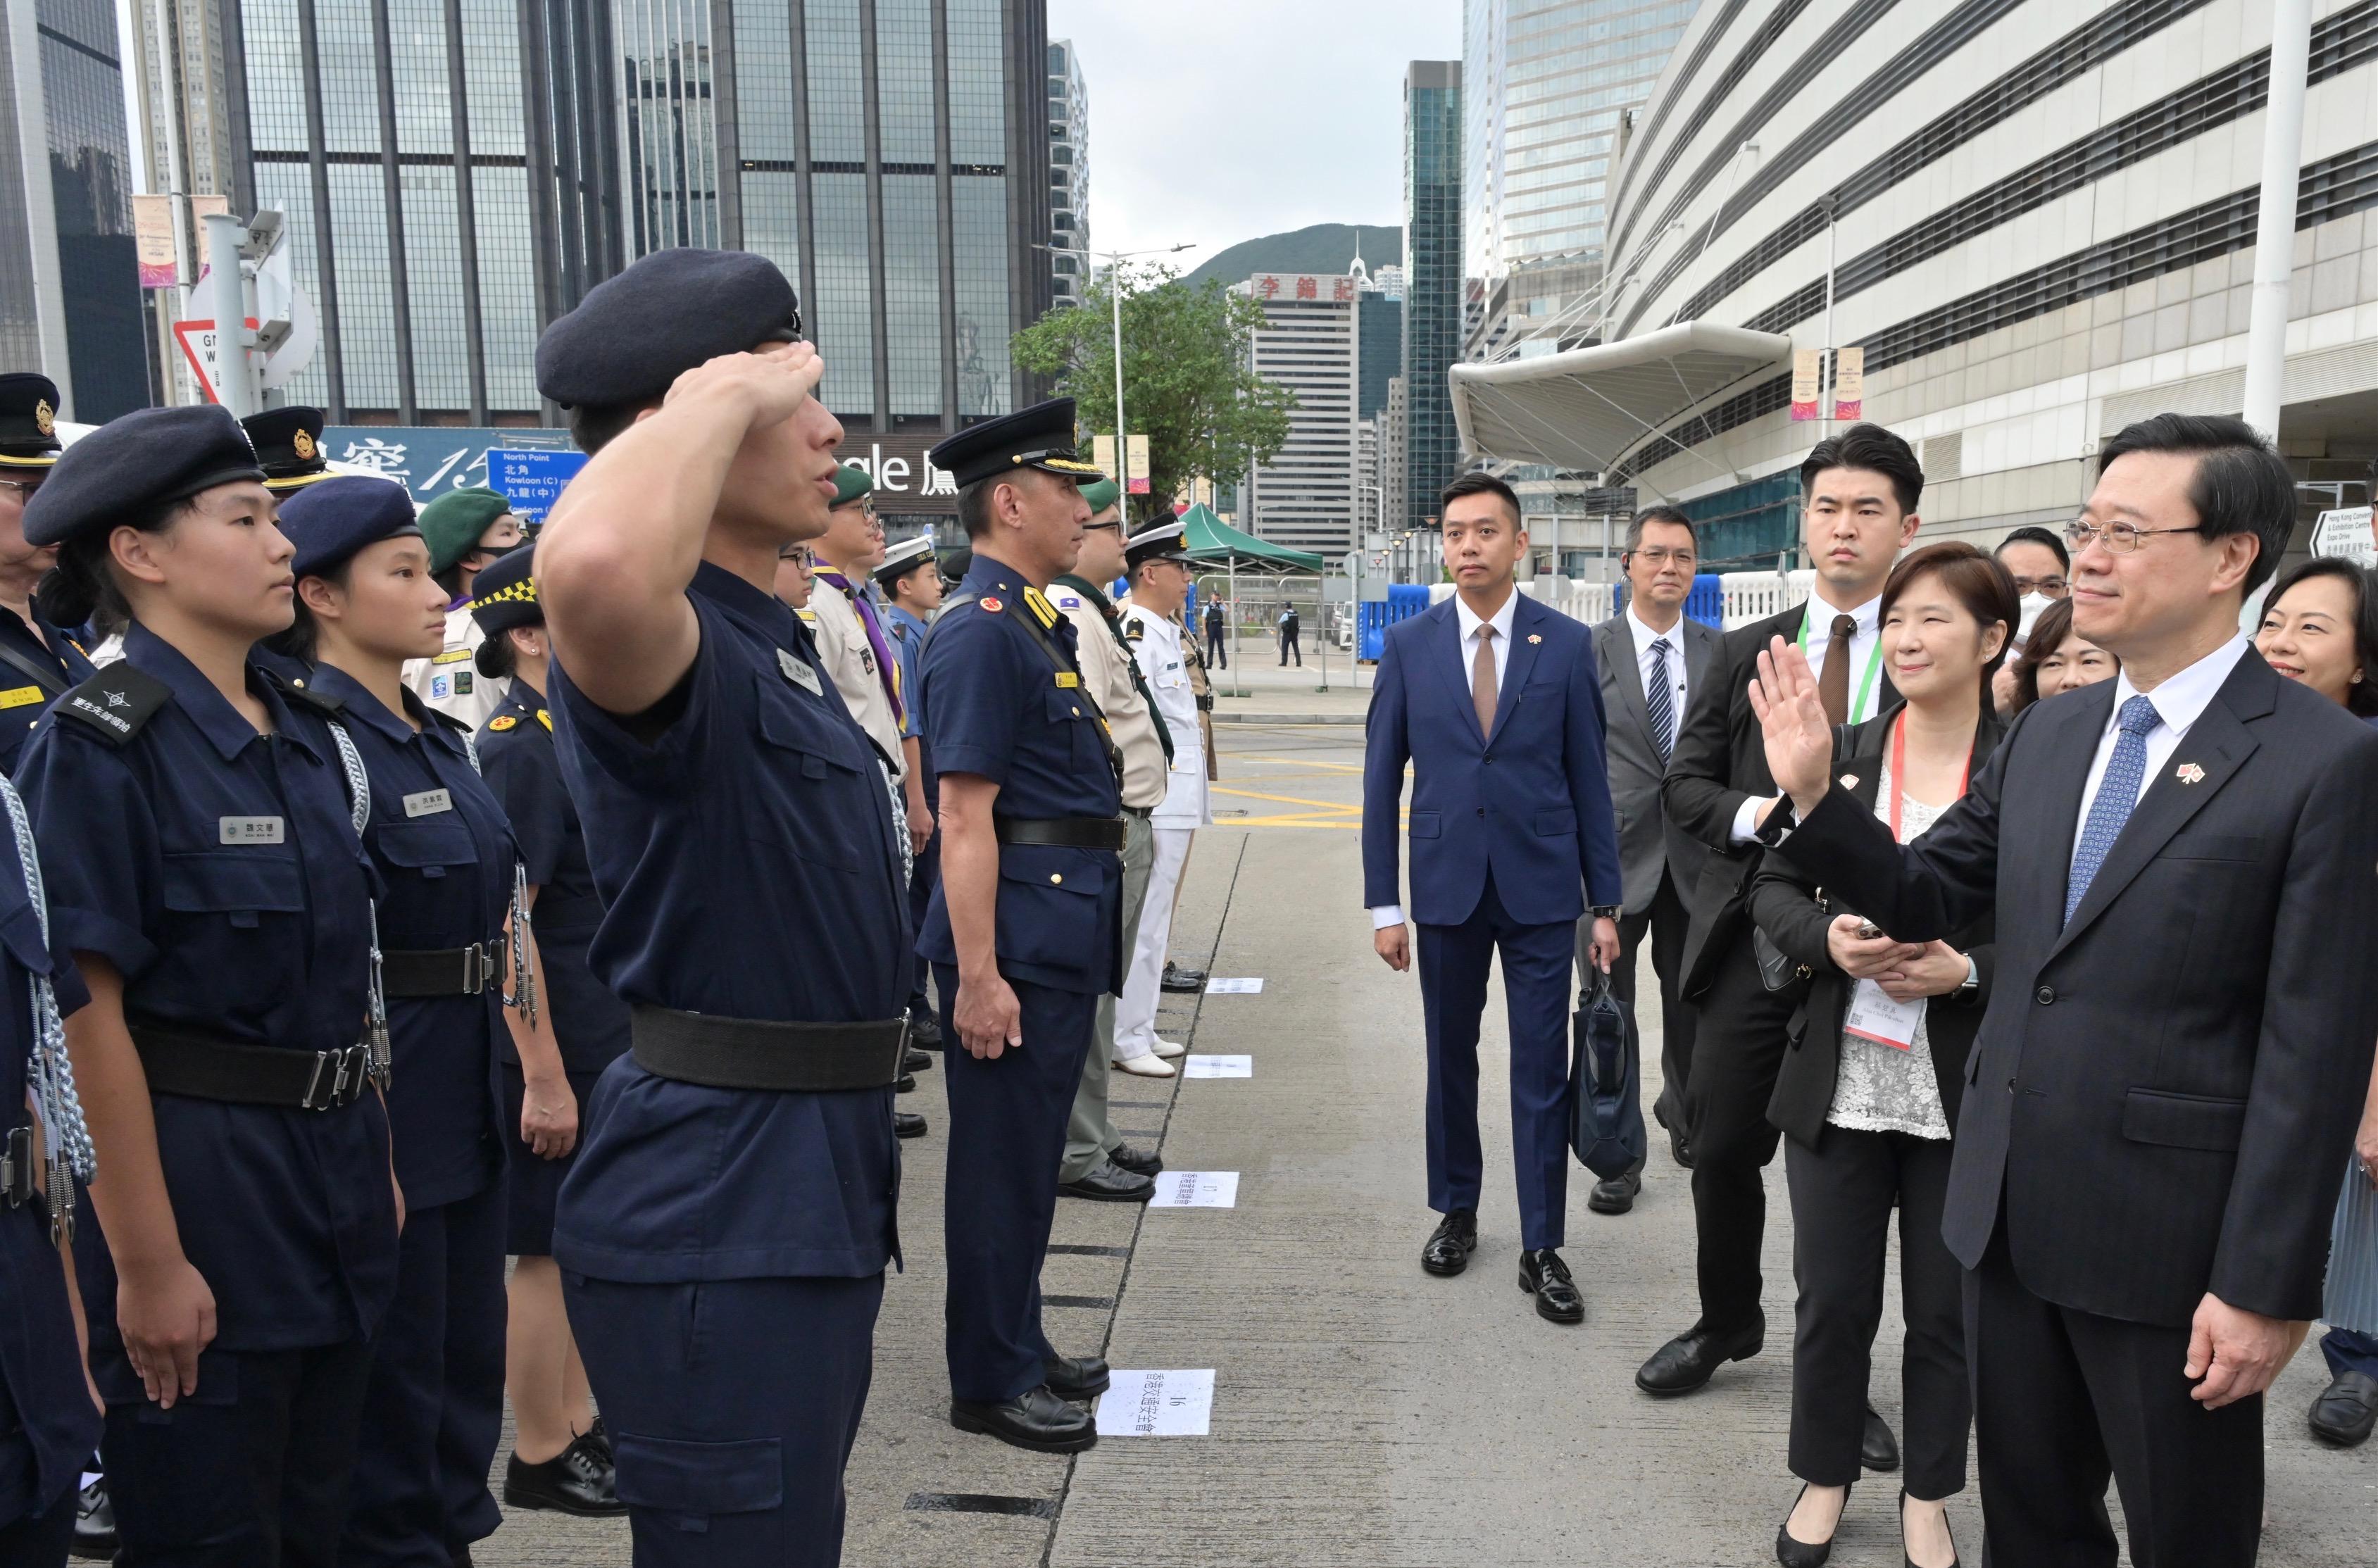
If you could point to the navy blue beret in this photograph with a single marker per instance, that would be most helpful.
(636, 333)
(330, 522)
(1041, 436)
(504, 593)
(136, 463)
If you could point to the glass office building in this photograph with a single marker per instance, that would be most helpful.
(1432, 281)
(1069, 168)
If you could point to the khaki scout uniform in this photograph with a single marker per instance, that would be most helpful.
(451, 683)
(844, 649)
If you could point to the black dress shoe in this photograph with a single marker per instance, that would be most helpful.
(598, 1437)
(907, 1124)
(916, 1062)
(1616, 1195)
(1686, 1362)
(1140, 1162)
(1179, 979)
(94, 1533)
(1877, 1450)
(1680, 1148)
(1038, 1421)
(1108, 1182)
(575, 1481)
(1450, 1244)
(1544, 1276)
(1074, 1377)
(1794, 1553)
(924, 1030)
(2346, 1410)
(906, 1085)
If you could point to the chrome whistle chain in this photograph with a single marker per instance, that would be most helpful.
(359, 812)
(66, 1135)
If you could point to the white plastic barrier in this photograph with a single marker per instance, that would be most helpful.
(1755, 596)
(1587, 602)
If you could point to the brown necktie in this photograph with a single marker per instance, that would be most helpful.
(1833, 680)
(1481, 680)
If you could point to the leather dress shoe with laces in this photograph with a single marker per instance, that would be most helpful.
(1450, 1244)
(924, 1030)
(1108, 1182)
(916, 1062)
(1616, 1195)
(1074, 1377)
(576, 1481)
(907, 1124)
(1877, 1450)
(1037, 1419)
(2346, 1410)
(1139, 1162)
(1544, 1276)
(94, 1531)
(1179, 979)
(1687, 1361)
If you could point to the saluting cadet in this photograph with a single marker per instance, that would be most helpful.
(467, 530)
(38, 661)
(1159, 584)
(551, 1055)
(723, 1235)
(1024, 930)
(851, 640)
(910, 582)
(1098, 1162)
(205, 873)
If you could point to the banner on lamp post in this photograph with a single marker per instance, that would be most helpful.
(153, 239)
(1849, 383)
(1136, 449)
(1807, 373)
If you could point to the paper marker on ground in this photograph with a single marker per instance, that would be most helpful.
(1219, 1067)
(1197, 1190)
(1168, 1403)
(1217, 987)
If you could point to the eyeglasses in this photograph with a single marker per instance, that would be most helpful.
(24, 487)
(1103, 527)
(1659, 556)
(2119, 538)
(2046, 584)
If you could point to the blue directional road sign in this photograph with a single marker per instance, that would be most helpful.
(531, 481)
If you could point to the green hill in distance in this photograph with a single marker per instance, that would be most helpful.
(1322, 247)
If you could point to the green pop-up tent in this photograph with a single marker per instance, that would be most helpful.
(1210, 540)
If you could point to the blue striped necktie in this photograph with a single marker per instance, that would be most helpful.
(1662, 698)
(2118, 794)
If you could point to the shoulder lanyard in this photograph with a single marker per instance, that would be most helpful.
(1865, 700)
(1899, 771)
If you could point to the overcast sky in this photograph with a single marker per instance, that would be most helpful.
(1215, 121)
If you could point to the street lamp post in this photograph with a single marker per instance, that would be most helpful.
(1114, 259)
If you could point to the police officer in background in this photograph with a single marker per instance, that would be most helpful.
(1099, 1164)
(1024, 931)
(467, 530)
(723, 1235)
(911, 582)
(38, 662)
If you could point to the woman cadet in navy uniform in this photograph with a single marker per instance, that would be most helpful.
(550, 1060)
(205, 875)
(723, 1235)
(437, 838)
(1025, 930)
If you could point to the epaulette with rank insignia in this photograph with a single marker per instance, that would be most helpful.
(116, 702)
(1042, 611)
(1133, 629)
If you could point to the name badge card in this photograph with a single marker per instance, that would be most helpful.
(797, 671)
(428, 803)
(251, 830)
(1872, 1015)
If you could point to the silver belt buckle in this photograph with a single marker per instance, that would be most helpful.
(475, 970)
(322, 1061)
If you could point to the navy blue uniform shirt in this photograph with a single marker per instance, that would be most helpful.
(995, 705)
(444, 854)
(523, 767)
(23, 700)
(288, 1214)
(747, 865)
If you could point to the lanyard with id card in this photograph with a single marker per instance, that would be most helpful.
(1871, 1013)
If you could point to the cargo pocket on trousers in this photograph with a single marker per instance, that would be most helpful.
(689, 1483)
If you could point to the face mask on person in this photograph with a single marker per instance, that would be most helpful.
(2033, 603)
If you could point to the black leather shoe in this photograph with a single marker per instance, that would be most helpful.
(907, 1124)
(2346, 1410)
(1450, 1244)
(1179, 979)
(575, 1481)
(1686, 1362)
(94, 1533)
(1907, 1558)
(1108, 1182)
(1794, 1553)
(1074, 1377)
(1139, 1162)
(924, 1030)
(1680, 1148)
(1616, 1195)
(1877, 1450)
(1544, 1276)
(916, 1062)
(1038, 1421)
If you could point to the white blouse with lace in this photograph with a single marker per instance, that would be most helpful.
(1879, 1089)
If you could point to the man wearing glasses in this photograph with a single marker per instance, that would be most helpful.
(39, 663)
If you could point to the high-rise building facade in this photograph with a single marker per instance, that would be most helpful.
(1069, 171)
(1305, 497)
(69, 284)
(1432, 280)
(1379, 353)
(1392, 453)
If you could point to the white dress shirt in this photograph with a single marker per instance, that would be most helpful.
(1864, 650)
(1644, 638)
(2179, 702)
(1386, 914)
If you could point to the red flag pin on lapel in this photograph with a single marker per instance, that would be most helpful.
(2191, 773)
(1535, 637)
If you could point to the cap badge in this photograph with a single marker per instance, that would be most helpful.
(303, 445)
(45, 418)
(2191, 773)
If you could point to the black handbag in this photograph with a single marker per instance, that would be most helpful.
(1605, 1083)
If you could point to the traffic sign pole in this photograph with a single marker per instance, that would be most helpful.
(235, 373)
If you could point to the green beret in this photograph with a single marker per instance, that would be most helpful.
(453, 522)
(1101, 495)
(850, 484)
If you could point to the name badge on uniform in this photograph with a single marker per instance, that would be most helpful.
(1068, 678)
(251, 830)
(428, 803)
(20, 695)
(799, 672)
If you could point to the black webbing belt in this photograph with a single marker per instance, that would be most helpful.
(202, 1067)
(1062, 832)
(443, 972)
(749, 1053)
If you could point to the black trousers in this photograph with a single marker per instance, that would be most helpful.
(1843, 1192)
(1665, 918)
(921, 879)
(1287, 646)
(1736, 1049)
(41, 1541)
(1217, 649)
(2063, 1399)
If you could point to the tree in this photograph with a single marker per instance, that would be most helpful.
(1188, 382)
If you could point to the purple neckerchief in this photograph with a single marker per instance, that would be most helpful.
(886, 670)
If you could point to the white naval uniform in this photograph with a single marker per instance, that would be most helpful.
(451, 683)
(1155, 643)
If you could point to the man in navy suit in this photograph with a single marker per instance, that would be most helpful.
(1513, 839)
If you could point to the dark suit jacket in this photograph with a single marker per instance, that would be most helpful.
(2162, 1086)
(1719, 761)
(1647, 845)
(1531, 802)
(1784, 903)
